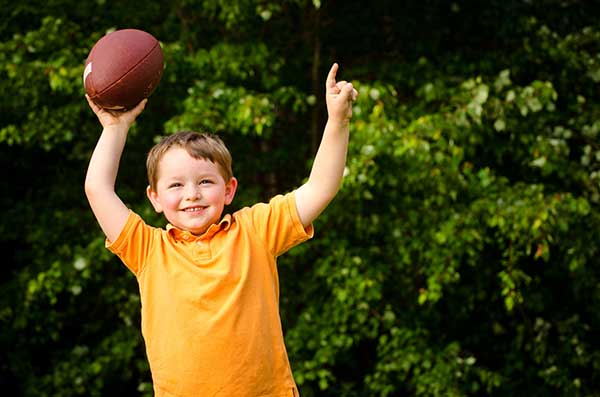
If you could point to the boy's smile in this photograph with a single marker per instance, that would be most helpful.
(191, 192)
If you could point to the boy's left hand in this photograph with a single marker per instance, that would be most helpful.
(339, 96)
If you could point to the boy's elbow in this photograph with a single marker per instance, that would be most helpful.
(329, 192)
(323, 194)
(89, 186)
(311, 201)
(325, 191)
(90, 190)
(94, 190)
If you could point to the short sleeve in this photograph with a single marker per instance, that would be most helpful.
(134, 243)
(278, 224)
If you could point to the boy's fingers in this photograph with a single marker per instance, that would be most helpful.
(331, 76)
(341, 84)
(91, 103)
(347, 91)
(139, 107)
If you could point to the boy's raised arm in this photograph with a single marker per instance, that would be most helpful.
(108, 208)
(328, 167)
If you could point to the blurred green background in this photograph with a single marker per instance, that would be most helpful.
(460, 257)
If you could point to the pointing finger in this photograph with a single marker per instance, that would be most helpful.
(331, 76)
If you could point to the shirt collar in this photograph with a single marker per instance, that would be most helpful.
(213, 229)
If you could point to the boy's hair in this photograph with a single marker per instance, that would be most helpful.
(199, 145)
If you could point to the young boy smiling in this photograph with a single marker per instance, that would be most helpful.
(195, 181)
(208, 283)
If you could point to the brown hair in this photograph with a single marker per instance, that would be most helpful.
(200, 145)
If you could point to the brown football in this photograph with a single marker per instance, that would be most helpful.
(123, 67)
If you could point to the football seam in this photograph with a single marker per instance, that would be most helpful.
(127, 72)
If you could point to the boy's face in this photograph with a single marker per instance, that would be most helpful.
(191, 192)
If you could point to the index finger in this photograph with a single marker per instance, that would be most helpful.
(331, 76)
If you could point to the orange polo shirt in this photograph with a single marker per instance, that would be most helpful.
(210, 303)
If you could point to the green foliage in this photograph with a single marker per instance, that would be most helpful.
(45, 72)
(459, 258)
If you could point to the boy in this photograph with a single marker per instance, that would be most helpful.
(208, 285)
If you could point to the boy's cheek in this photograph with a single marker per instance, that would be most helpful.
(171, 203)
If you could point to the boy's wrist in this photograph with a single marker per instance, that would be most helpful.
(341, 122)
(116, 128)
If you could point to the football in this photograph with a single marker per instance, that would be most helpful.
(122, 68)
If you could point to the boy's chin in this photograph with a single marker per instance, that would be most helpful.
(198, 231)
(196, 227)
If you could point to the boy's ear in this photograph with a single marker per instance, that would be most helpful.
(230, 188)
(153, 197)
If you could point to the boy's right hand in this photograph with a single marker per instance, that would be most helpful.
(109, 118)
(108, 208)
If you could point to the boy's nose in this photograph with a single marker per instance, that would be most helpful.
(192, 191)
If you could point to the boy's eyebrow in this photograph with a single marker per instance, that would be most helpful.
(211, 174)
(200, 175)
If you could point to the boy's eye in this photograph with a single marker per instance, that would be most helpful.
(175, 184)
(205, 181)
